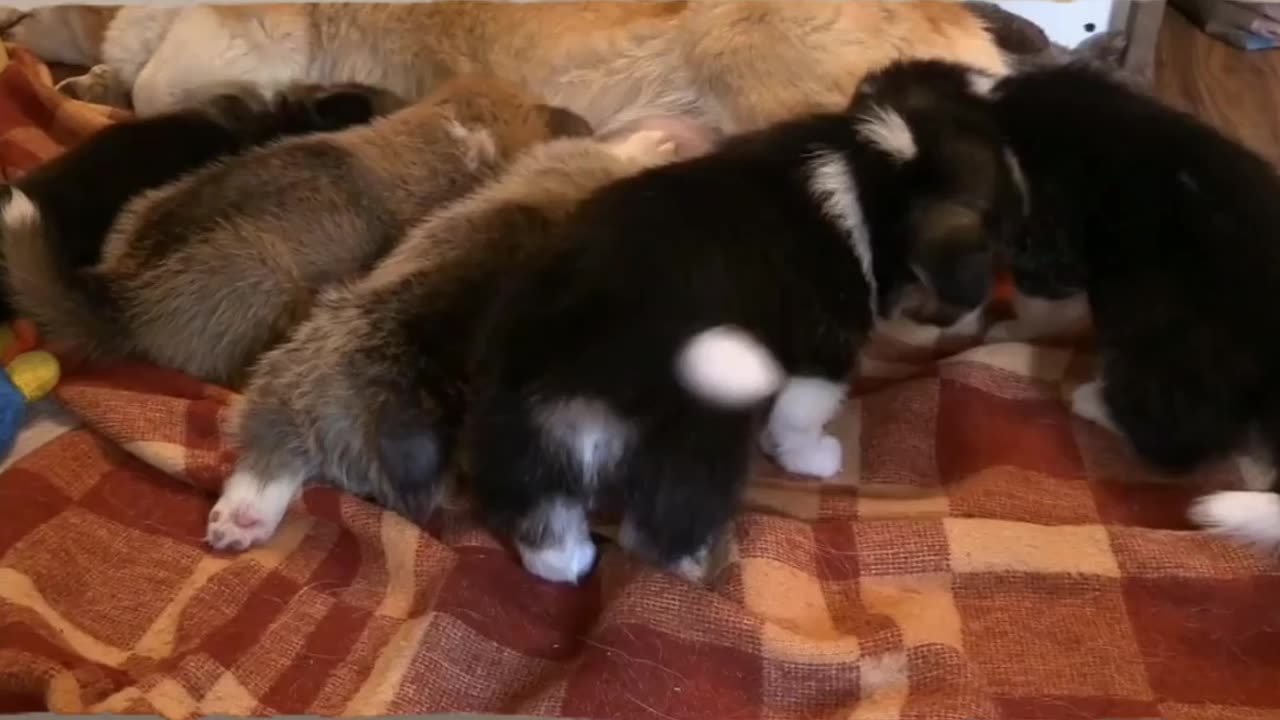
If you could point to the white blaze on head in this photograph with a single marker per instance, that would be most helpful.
(887, 130)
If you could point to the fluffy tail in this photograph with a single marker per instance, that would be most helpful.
(69, 305)
(728, 367)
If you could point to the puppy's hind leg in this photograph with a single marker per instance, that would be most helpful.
(1249, 517)
(250, 509)
(532, 476)
(1175, 418)
(681, 485)
(268, 475)
(795, 436)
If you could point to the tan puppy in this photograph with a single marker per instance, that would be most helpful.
(739, 65)
(370, 392)
(206, 273)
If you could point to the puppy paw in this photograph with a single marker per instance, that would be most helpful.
(1249, 518)
(821, 457)
(564, 562)
(248, 512)
(695, 567)
(100, 86)
(1087, 403)
(646, 146)
(236, 526)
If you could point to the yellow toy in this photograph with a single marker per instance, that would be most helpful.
(29, 375)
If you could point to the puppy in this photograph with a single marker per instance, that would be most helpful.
(370, 392)
(631, 369)
(1158, 230)
(205, 274)
(79, 193)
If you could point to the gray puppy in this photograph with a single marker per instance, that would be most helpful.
(205, 274)
(370, 392)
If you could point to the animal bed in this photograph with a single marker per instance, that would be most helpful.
(1024, 567)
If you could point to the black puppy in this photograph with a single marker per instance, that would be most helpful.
(632, 367)
(1166, 233)
(80, 192)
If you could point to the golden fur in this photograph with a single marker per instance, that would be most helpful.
(738, 64)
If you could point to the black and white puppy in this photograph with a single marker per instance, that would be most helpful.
(1162, 232)
(632, 368)
(80, 193)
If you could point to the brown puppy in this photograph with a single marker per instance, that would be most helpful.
(738, 65)
(370, 392)
(205, 274)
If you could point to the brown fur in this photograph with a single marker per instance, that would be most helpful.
(385, 356)
(207, 273)
(739, 65)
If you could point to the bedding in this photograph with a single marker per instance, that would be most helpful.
(983, 555)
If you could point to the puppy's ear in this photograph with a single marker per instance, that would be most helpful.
(561, 122)
(953, 256)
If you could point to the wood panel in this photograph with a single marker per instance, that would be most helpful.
(1237, 91)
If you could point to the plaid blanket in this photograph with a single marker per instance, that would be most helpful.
(984, 555)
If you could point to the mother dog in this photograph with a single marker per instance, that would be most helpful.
(738, 65)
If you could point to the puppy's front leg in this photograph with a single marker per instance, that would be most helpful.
(795, 436)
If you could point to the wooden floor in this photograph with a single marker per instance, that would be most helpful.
(1236, 90)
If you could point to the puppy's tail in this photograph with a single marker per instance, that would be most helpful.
(71, 306)
(728, 367)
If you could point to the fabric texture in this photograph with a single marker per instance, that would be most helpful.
(983, 555)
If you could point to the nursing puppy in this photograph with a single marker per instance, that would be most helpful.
(79, 193)
(631, 369)
(207, 273)
(1161, 232)
(370, 392)
(737, 65)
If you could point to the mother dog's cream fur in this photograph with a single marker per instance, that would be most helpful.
(737, 64)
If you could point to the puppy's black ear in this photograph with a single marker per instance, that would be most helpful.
(565, 123)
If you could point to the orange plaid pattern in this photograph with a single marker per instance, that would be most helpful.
(984, 555)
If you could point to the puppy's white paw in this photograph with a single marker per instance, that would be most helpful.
(646, 146)
(565, 561)
(821, 457)
(1087, 403)
(1249, 518)
(248, 512)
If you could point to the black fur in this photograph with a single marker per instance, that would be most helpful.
(1171, 229)
(733, 238)
(80, 192)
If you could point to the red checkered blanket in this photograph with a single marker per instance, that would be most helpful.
(1025, 567)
